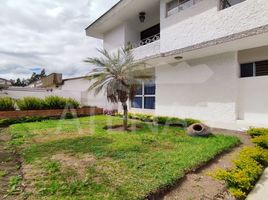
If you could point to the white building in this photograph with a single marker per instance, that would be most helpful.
(209, 57)
(75, 88)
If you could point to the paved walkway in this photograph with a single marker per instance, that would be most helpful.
(260, 192)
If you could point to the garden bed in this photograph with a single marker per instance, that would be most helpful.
(50, 113)
(79, 159)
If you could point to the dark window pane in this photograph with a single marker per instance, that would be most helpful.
(149, 89)
(149, 102)
(247, 70)
(262, 68)
(137, 102)
(139, 91)
(171, 5)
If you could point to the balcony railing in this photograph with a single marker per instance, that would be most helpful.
(228, 3)
(146, 41)
(176, 6)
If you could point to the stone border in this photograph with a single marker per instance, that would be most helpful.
(50, 113)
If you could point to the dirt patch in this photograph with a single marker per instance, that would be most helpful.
(9, 167)
(198, 185)
(120, 128)
(52, 138)
(78, 164)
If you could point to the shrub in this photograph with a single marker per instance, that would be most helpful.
(254, 132)
(163, 120)
(7, 122)
(72, 103)
(246, 171)
(30, 103)
(6, 104)
(261, 141)
(55, 102)
(190, 121)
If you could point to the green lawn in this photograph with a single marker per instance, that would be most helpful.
(81, 160)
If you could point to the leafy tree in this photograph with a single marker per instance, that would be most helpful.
(34, 77)
(119, 76)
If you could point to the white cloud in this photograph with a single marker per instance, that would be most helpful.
(48, 34)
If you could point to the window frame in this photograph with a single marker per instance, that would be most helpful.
(143, 96)
(177, 7)
(254, 69)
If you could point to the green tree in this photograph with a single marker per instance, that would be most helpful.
(119, 76)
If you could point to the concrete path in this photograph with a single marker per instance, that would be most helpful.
(260, 192)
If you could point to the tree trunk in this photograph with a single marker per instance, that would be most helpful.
(125, 115)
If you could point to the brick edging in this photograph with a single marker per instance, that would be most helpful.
(50, 113)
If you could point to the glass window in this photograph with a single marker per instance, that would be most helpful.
(137, 102)
(247, 70)
(149, 89)
(259, 68)
(145, 96)
(149, 102)
(139, 91)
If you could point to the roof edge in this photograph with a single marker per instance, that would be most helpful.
(114, 6)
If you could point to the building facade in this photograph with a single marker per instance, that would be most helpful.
(209, 57)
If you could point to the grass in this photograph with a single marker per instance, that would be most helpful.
(2, 174)
(78, 159)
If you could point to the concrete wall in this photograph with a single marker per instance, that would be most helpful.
(204, 22)
(253, 98)
(252, 93)
(114, 38)
(79, 89)
(203, 88)
(76, 89)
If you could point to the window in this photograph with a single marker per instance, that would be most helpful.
(228, 3)
(145, 97)
(254, 69)
(176, 6)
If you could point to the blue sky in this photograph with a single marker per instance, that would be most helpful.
(47, 34)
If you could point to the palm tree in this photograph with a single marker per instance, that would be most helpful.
(118, 75)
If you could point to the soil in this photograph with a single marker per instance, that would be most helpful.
(9, 163)
(198, 185)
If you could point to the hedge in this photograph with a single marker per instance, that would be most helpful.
(248, 166)
(6, 104)
(51, 102)
(163, 120)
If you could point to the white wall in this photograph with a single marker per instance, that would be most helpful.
(76, 89)
(253, 97)
(203, 88)
(114, 38)
(204, 22)
(252, 93)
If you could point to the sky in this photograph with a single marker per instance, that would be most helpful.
(49, 34)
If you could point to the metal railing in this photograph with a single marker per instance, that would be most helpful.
(146, 41)
(224, 4)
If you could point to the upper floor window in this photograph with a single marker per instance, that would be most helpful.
(176, 6)
(145, 96)
(254, 69)
(228, 3)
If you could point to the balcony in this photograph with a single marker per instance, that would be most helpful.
(147, 47)
(145, 41)
(177, 6)
(228, 3)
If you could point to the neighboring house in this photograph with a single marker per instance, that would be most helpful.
(53, 80)
(4, 83)
(76, 88)
(209, 57)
